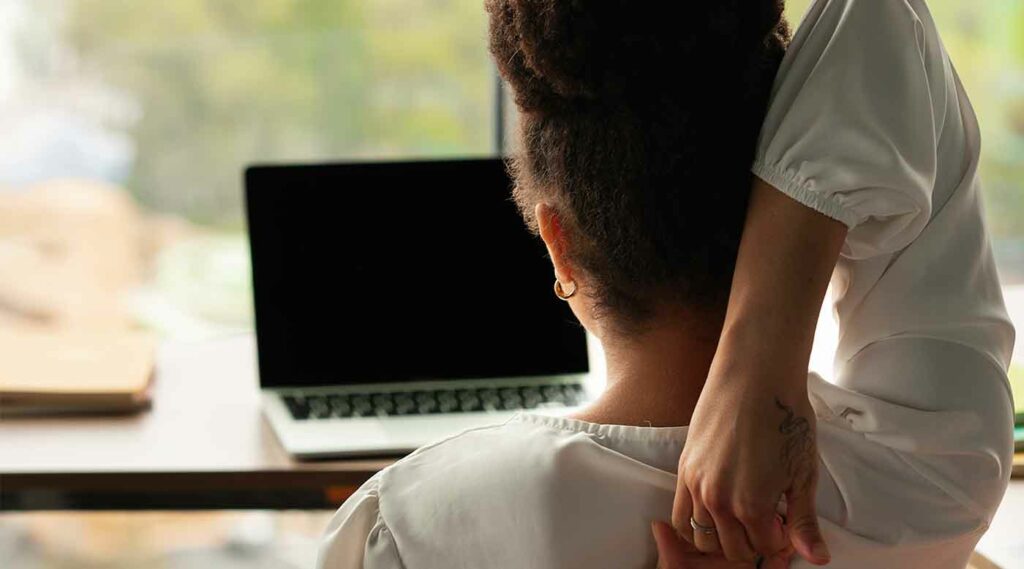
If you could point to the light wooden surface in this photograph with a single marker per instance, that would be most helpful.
(204, 432)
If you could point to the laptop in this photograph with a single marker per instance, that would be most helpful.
(401, 302)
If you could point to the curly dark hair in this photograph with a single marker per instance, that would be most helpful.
(638, 124)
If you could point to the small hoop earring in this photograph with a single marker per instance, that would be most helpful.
(560, 292)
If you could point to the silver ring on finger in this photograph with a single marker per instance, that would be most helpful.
(706, 530)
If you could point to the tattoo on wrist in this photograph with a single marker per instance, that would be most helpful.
(798, 450)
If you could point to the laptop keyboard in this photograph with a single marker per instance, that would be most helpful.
(427, 402)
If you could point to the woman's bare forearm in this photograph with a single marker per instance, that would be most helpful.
(785, 261)
(752, 438)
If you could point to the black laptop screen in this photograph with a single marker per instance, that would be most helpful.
(385, 272)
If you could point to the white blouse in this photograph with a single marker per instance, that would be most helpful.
(869, 125)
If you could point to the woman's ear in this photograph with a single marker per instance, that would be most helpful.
(555, 239)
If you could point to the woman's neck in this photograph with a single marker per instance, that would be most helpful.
(654, 378)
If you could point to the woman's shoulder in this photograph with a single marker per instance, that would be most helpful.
(364, 525)
(534, 448)
(476, 456)
(490, 496)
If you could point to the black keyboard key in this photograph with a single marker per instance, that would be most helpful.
(427, 406)
(360, 401)
(404, 406)
(361, 406)
(422, 397)
(297, 406)
(341, 409)
(510, 399)
(318, 408)
(403, 400)
(552, 394)
(445, 397)
(510, 404)
(530, 392)
(569, 396)
(381, 399)
(448, 406)
(470, 403)
(489, 399)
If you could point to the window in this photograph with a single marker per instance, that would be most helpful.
(127, 126)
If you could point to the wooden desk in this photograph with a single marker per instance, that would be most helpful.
(204, 444)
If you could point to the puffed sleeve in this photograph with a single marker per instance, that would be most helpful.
(852, 126)
(357, 537)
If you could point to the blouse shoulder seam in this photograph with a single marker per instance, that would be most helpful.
(796, 187)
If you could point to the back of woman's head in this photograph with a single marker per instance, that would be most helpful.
(638, 122)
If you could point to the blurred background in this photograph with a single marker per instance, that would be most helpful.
(126, 127)
(124, 130)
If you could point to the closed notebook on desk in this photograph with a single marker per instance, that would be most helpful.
(75, 373)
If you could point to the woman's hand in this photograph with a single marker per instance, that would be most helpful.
(746, 448)
(676, 553)
(752, 435)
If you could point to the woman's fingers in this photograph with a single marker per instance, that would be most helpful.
(671, 549)
(705, 536)
(732, 538)
(717, 531)
(764, 529)
(804, 532)
(682, 509)
(676, 553)
(778, 561)
(728, 532)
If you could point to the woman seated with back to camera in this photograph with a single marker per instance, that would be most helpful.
(638, 129)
